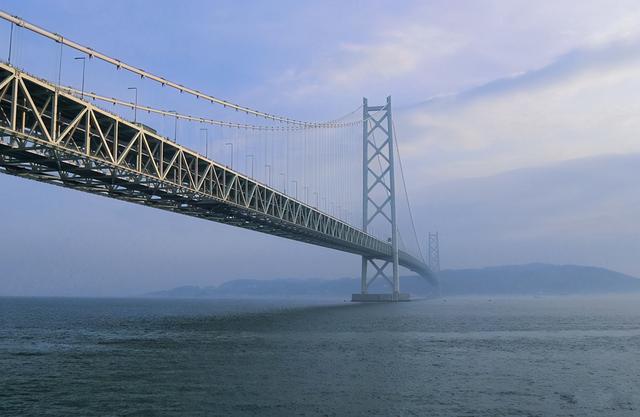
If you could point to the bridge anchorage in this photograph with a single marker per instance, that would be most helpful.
(54, 134)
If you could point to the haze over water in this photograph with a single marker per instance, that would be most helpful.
(464, 357)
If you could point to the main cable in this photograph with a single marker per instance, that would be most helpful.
(199, 119)
(91, 53)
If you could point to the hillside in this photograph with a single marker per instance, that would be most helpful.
(530, 279)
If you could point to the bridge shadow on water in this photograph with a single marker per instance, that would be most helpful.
(273, 315)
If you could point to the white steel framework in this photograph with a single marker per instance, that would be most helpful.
(379, 196)
(50, 135)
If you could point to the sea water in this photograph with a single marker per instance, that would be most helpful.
(557, 356)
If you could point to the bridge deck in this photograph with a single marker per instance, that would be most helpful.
(52, 136)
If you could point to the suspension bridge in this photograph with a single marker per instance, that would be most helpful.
(337, 185)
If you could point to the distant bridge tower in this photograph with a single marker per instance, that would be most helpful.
(434, 252)
(379, 198)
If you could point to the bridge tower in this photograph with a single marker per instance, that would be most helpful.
(434, 252)
(379, 199)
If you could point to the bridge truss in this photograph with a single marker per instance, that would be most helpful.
(50, 135)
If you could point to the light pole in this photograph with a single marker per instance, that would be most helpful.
(84, 63)
(316, 194)
(135, 108)
(175, 126)
(268, 174)
(10, 42)
(296, 183)
(246, 163)
(284, 182)
(206, 140)
(306, 194)
(231, 145)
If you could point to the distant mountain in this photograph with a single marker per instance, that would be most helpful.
(536, 279)
(267, 288)
(530, 279)
(563, 210)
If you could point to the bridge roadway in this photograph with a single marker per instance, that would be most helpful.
(50, 135)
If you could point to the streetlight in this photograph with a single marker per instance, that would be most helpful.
(10, 43)
(246, 163)
(296, 183)
(175, 126)
(284, 182)
(306, 194)
(135, 109)
(268, 175)
(206, 141)
(316, 194)
(231, 145)
(84, 63)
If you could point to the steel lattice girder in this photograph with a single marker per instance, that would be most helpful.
(52, 136)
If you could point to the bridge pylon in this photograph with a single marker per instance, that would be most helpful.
(379, 195)
(433, 255)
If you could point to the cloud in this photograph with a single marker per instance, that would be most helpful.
(624, 28)
(393, 54)
(580, 105)
(428, 49)
(398, 53)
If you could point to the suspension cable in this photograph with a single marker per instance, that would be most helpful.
(148, 109)
(406, 193)
(144, 74)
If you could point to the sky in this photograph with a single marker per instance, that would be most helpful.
(515, 122)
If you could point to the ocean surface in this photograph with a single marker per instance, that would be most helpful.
(455, 357)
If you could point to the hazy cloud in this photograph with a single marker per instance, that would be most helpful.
(580, 105)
